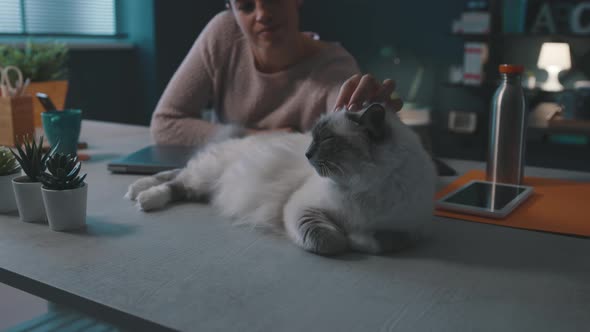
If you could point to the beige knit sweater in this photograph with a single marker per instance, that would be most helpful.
(220, 69)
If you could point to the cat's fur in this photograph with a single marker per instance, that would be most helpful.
(367, 173)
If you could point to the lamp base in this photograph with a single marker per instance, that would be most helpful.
(552, 83)
(551, 86)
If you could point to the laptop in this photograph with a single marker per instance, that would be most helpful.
(153, 159)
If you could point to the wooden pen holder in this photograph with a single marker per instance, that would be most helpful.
(16, 119)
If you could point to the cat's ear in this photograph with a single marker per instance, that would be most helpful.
(372, 118)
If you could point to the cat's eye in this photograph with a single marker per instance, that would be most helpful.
(328, 138)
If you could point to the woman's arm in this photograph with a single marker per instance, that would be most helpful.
(176, 118)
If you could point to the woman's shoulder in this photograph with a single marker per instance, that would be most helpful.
(222, 31)
(224, 23)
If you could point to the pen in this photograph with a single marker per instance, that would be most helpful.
(24, 87)
(46, 102)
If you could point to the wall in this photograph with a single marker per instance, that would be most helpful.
(177, 26)
(138, 23)
(376, 32)
(124, 85)
(113, 79)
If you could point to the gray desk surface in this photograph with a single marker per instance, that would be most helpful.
(186, 268)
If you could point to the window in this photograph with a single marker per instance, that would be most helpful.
(10, 16)
(58, 17)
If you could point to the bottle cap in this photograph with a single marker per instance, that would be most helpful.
(511, 69)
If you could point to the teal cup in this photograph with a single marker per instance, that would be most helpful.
(63, 127)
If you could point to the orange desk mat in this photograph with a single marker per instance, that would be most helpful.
(557, 206)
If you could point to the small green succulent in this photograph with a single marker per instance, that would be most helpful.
(8, 164)
(63, 170)
(31, 158)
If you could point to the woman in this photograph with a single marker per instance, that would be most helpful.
(261, 72)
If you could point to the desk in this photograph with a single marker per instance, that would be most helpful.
(186, 268)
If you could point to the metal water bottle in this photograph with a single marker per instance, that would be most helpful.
(508, 122)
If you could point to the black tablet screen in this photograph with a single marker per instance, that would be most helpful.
(485, 195)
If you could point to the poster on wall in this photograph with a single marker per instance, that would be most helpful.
(568, 17)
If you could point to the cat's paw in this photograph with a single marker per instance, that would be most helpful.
(324, 239)
(154, 198)
(140, 185)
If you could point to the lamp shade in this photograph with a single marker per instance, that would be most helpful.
(555, 55)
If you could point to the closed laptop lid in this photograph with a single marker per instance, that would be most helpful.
(153, 159)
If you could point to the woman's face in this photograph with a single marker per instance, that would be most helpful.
(267, 23)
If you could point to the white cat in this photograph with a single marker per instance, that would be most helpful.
(355, 177)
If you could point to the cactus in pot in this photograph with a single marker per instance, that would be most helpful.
(9, 170)
(27, 188)
(64, 192)
(8, 164)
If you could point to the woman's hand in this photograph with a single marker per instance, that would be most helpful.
(359, 90)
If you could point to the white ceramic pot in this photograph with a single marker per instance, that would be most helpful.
(29, 199)
(66, 209)
(7, 201)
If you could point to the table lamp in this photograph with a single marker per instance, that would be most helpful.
(554, 57)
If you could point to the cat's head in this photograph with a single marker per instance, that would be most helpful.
(344, 143)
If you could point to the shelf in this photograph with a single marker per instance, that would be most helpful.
(539, 90)
(472, 36)
(517, 35)
(484, 85)
(494, 85)
(572, 126)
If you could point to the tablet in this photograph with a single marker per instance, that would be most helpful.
(153, 159)
(487, 199)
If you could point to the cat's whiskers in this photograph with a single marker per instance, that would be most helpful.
(334, 165)
(323, 170)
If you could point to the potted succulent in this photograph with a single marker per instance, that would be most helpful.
(27, 188)
(45, 64)
(9, 170)
(64, 192)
